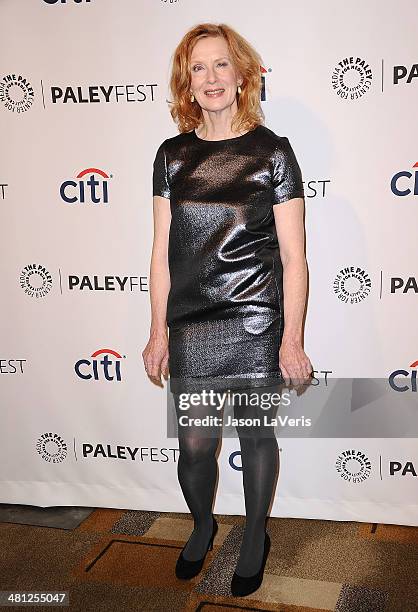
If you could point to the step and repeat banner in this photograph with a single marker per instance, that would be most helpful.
(83, 108)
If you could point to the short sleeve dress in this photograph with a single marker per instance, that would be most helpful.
(225, 304)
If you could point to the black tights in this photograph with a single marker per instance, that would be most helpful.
(198, 469)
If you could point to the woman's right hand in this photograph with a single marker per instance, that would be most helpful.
(155, 356)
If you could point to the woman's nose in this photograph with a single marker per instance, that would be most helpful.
(211, 75)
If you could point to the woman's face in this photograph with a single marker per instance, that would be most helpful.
(214, 80)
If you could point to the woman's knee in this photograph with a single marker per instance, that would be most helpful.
(196, 449)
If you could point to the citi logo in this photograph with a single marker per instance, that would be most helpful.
(404, 380)
(404, 183)
(87, 189)
(232, 461)
(104, 364)
(235, 462)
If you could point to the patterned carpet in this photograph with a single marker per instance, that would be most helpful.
(118, 560)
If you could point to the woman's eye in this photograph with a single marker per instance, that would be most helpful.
(197, 67)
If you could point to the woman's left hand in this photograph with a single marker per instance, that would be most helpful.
(294, 363)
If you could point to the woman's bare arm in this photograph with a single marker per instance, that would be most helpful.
(155, 354)
(291, 236)
(159, 271)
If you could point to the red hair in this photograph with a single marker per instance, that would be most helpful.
(187, 114)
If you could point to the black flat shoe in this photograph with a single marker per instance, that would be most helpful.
(241, 585)
(188, 569)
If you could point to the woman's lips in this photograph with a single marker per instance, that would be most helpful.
(214, 93)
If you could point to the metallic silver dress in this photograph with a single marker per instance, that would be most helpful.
(225, 305)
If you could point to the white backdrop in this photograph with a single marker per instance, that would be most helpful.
(83, 89)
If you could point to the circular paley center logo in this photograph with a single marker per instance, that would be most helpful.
(353, 466)
(352, 285)
(52, 448)
(35, 280)
(16, 93)
(352, 78)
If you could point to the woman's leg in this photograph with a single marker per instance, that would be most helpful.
(260, 465)
(197, 471)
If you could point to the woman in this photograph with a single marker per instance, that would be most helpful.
(227, 193)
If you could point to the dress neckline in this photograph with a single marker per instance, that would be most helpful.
(196, 137)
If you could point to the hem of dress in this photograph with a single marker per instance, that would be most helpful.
(232, 381)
